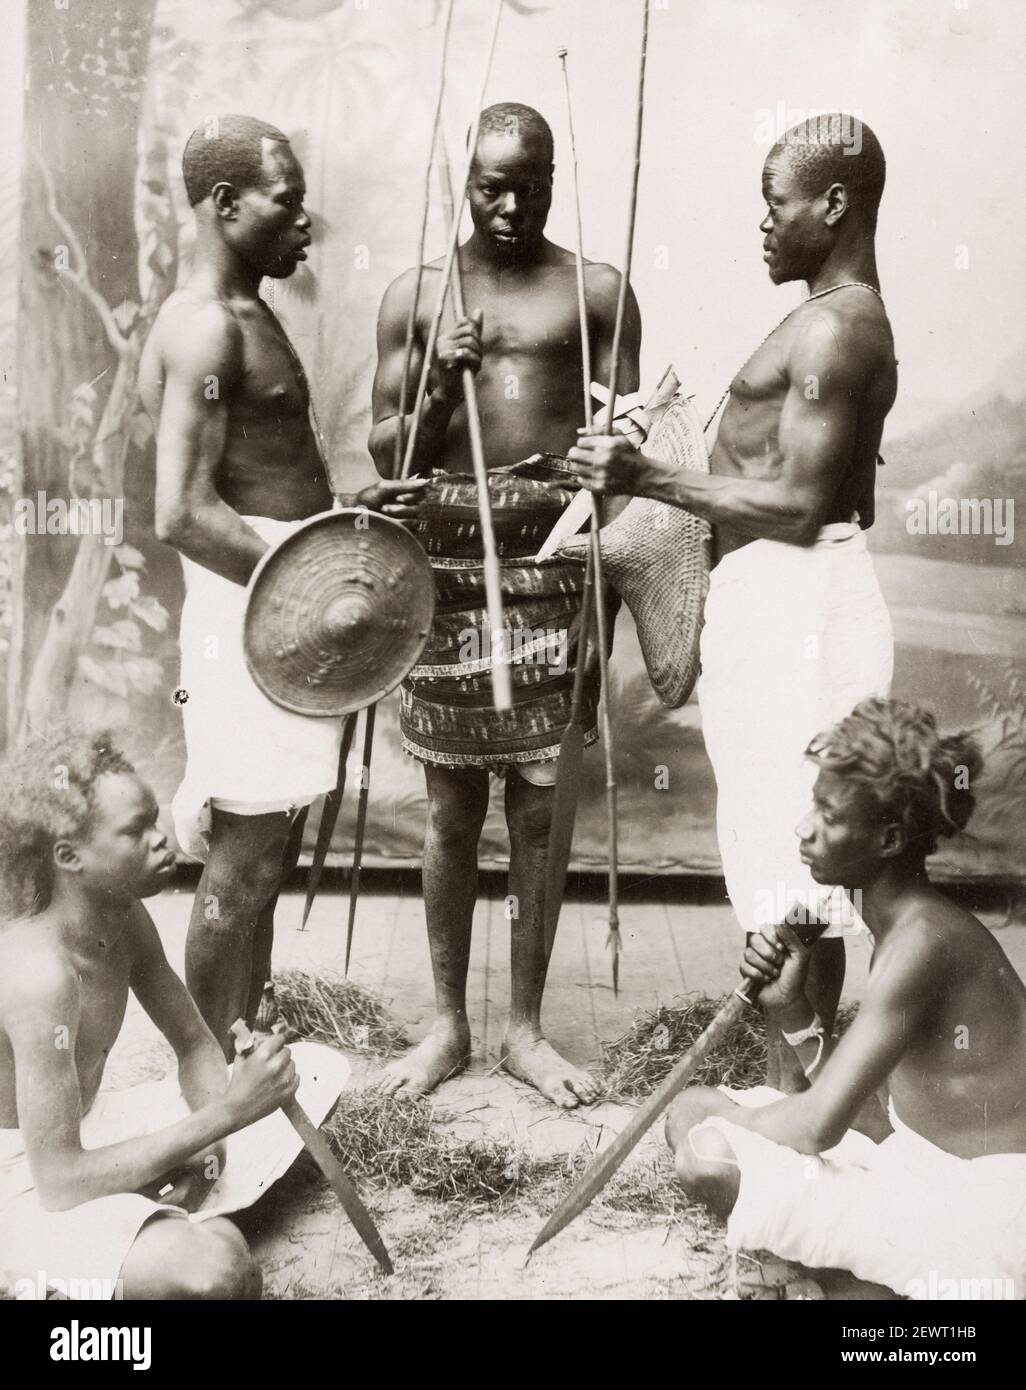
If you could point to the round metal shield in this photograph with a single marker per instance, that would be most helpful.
(337, 613)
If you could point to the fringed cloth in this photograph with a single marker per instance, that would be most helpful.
(446, 711)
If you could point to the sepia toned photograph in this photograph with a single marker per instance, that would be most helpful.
(513, 653)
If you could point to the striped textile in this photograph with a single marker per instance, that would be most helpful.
(446, 712)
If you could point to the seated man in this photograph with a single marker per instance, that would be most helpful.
(97, 1190)
(937, 1207)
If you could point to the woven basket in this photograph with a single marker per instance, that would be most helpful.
(657, 559)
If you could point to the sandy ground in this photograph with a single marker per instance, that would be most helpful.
(616, 1250)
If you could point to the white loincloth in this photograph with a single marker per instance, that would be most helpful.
(244, 753)
(794, 638)
(88, 1244)
(903, 1213)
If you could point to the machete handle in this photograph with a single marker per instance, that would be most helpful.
(808, 933)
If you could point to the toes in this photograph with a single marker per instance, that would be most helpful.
(584, 1088)
(562, 1094)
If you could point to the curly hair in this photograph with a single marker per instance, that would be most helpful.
(892, 751)
(49, 787)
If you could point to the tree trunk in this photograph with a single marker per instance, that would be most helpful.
(85, 81)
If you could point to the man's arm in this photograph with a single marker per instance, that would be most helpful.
(602, 288)
(41, 1017)
(456, 349)
(898, 1000)
(201, 365)
(814, 440)
(202, 1070)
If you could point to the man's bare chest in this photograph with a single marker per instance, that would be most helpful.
(525, 319)
(272, 384)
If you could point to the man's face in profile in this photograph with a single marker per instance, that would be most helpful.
(794, 234)
(272, 230)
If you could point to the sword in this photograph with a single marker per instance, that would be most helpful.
(596, 1177)
(319, 1150)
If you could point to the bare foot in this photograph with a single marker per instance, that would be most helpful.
(527, 1056)
(443, 1053)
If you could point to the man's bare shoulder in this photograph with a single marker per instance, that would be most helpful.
(194, 329)
(35, 973)
(141, 938)
(401, 290)
(602, 281)
(854, 320)
(919, 956)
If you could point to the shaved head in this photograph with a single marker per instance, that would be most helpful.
(226, 149)
(835, 148)
(518, 123)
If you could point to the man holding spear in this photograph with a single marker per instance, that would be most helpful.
(796, 629)
(520, 337)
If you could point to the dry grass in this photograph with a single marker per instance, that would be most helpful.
(328, 1009)
(398, 1141)
(639, 1059)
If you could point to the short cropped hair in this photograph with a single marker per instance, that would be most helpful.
(837, 148)
(48, 786)
(893, 753)
(520, 122)
(226, 149)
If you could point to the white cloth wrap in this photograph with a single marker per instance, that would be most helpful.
(794, 638)
(243, 751)
(903, 1213)
(88, 1243)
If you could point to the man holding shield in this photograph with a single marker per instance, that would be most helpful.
(238, 467)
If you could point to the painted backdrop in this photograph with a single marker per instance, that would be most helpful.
(110, 92)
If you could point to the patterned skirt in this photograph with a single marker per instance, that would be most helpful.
(446, 711)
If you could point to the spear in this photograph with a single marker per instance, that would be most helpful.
(397, 463)
(595, 561)
(361, 826)
(571, 746)
(411, 320)
(502, 691)
(329, 815)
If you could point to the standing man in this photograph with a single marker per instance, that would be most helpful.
(522, 339)
(238, 467)
(796, 629)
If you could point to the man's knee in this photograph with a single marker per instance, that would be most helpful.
(705, 1164)
(191, 1260)
(245, 864)
(218, 1264)
(457, 806)
(529, 814)
(696, 1104)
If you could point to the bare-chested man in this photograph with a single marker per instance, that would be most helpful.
(796, 630)
(238, 466)
(931, 1203)
(85, 1175)
(522, 339)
